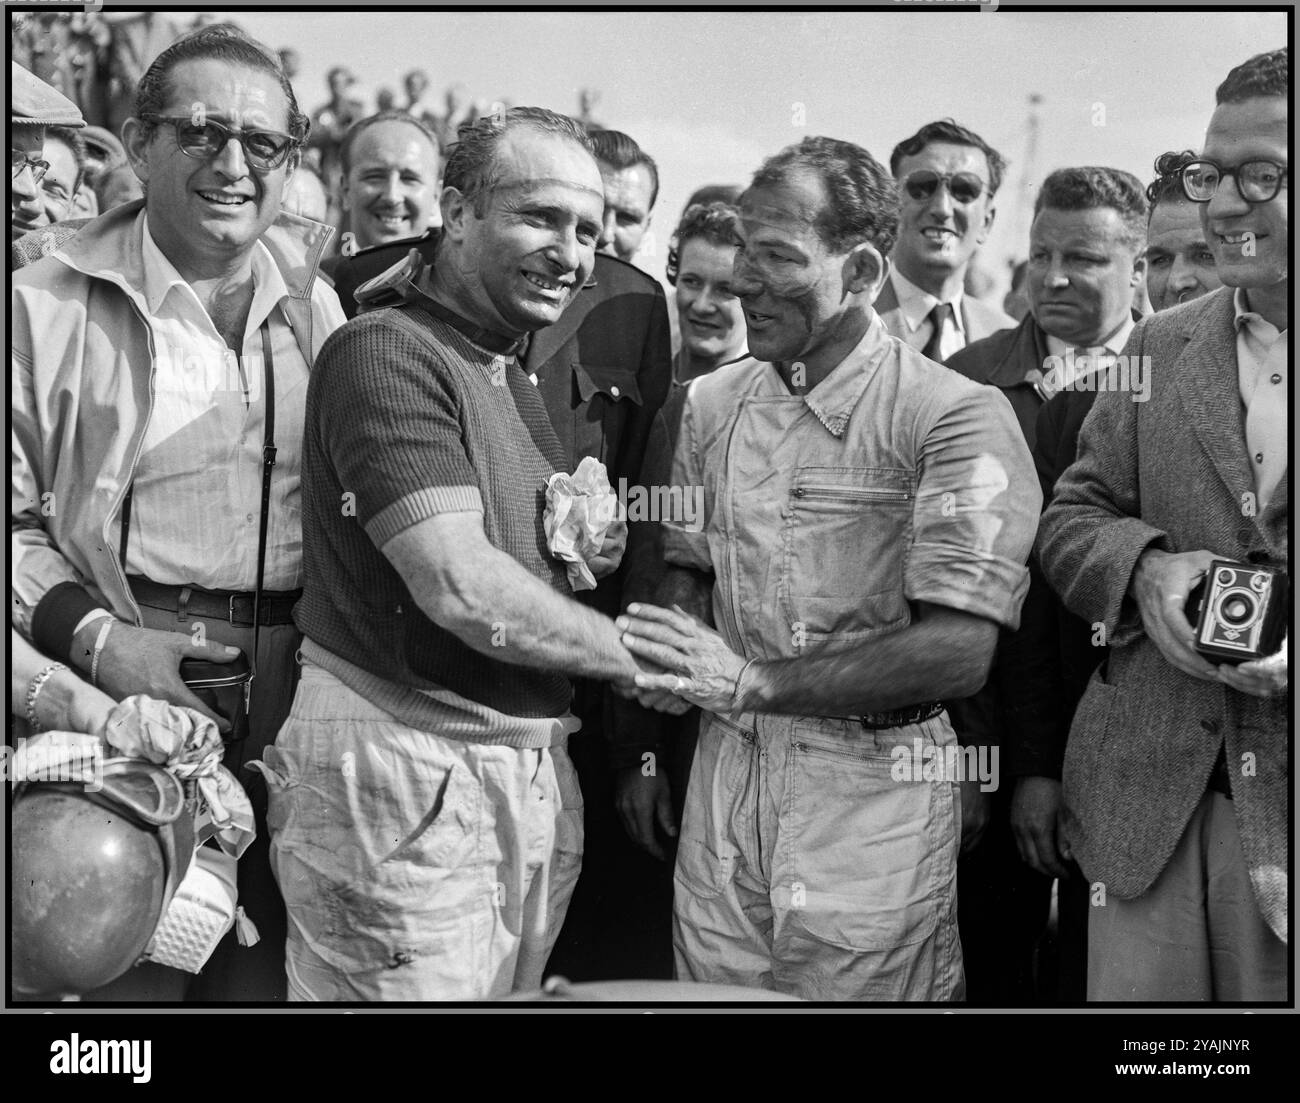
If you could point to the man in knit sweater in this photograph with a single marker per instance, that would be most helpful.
(427, 824)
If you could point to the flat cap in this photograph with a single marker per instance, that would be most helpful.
(35, 103)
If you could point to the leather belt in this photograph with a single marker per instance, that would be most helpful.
(1220, 782)
(232, 606)
(899, 718)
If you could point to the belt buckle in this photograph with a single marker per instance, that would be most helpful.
(230, 610)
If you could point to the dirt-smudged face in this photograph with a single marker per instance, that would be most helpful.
(794, 289)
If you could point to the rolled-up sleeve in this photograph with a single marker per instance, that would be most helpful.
(976, 510)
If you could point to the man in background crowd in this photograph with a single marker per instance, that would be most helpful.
(1180, 264)
(1085, 259)
(631, 188)
(391, 172)
(948, 178)
(36, 107)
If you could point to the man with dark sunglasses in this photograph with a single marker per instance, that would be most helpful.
(155, 479)
(1177, 771)
(947, 177)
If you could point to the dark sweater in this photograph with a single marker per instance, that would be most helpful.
(408, 418)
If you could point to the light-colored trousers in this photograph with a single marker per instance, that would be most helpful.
(806, 867)
(1196, 935)
(413, 867)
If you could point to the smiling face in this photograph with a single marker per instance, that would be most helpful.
(1082, 273)
(1249, 241)
(802, 301)
(206, 215)
(391, 189)
(523, 262)
(712, 322)
(938, 236)
(1180, 265)
(60, 183)
(627, 209)
(25, 204)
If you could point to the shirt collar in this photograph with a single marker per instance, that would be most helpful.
(485, 338)
(834, 399)
(1111, 346)
(1254, 322)
(160, 277)
(915, 305)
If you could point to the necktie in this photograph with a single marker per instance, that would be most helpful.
(938, 317)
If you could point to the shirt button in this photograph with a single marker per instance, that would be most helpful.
(1259, 457)
(1276, 378)
(248, 517)
(614, 391)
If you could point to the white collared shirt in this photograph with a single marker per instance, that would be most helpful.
(1262, 376)
(915, 306)
(198, 486)
(1074, 363)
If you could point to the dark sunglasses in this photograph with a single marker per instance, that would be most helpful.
(263, 149)
(19, 161)
(964, 187)
(1257, 181)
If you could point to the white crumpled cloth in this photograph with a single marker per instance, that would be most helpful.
(579, 509)
(187, 744)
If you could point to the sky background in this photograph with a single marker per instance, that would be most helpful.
(710, 94)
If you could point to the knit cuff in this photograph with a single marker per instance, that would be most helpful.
(419, 506)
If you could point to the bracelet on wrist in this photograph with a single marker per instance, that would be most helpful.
(34, 688)
(739, 699)
(100, 640)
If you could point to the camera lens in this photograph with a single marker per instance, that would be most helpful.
(1236, 609)
(1225, 577)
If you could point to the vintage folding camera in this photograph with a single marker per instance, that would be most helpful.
(1239, 612)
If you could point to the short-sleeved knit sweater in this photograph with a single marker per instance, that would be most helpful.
(407, 417)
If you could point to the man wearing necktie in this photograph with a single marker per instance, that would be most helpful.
(1085, 258)
(948, 177)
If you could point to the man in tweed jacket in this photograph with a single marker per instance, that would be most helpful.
(1177, 771)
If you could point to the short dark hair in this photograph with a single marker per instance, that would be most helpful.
(620, 151)
(1262, 75)
(1093, 186)
(221, 42)
(946, 130)
(714, 222)
(1168, 184)
(471, 159)
(862, 198)
(74, 142)
(361, 125)
(714, 193)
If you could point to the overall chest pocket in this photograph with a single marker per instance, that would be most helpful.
(606, 397)
(844, 540)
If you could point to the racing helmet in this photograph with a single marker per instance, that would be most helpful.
(90, 875)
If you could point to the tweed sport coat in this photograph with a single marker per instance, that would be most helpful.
(1172, 473)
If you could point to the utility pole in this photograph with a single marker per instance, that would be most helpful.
(1028, 182)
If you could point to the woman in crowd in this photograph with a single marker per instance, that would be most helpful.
(709, 316)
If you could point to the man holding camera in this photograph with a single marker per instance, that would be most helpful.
(1177, 770)
(140, 496)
